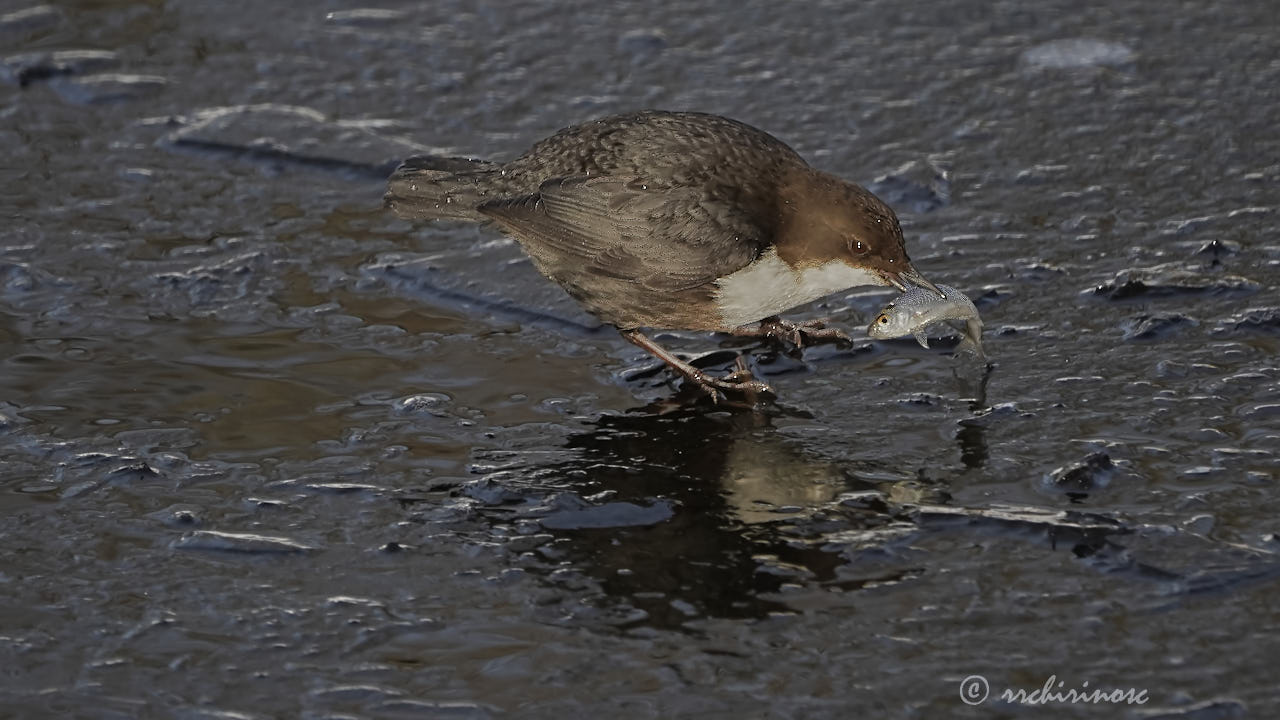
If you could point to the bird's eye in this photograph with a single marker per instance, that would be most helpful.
(858, 247)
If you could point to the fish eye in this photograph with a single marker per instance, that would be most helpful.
(883, 319)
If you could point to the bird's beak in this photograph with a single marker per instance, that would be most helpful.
(913, 276)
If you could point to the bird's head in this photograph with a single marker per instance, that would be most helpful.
(828, 220)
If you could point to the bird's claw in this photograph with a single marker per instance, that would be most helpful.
(816, 332)
(740, 382)
(802, 334)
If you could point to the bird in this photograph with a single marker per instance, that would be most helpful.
(674, 221)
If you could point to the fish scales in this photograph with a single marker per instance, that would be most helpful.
(915, 311)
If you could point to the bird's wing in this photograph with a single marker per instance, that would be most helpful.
(665, 238)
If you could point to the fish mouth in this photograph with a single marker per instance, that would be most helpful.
(913, 276)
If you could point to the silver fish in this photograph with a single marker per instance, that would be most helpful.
(916, 310)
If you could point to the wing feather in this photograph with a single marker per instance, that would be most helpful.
(663, 238)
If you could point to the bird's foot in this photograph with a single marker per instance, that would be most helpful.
(740, 383)
(799, 335)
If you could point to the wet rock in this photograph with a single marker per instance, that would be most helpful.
(872, 500)
(920, 399)
(1091, 473)
(1165, 280)
(434, 404)
(179, 516)
(29, 21)
(1171, 369)
(1077, 53)
(233, 542)
(990, 296)
(366, 17)
(339, 488)
(107, 88)
(23, 279)
(1219, 248)
(986, 416)
(918, 186)
(492, 492)
(296, 135)
(1188, 226)
(1147, 327)
(216, 283)
(354, 693)
(27, 68)
(184, 518)
(610, 515)
(642, 44)
(430, 709)
(1253, 320)
(136, 470)
(91, 459)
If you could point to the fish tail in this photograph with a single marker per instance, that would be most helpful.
(972, 339)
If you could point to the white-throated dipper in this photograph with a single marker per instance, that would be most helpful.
(674, 220)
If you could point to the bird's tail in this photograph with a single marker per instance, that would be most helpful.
(431, 187)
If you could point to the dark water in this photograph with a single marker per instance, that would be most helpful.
(266, 451)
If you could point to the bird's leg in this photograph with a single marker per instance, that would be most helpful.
(809, 332)
(739, 381)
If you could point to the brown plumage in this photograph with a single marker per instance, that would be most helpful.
(672, 220)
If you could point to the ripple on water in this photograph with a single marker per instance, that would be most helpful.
(107, 88)
(1074, 53)
(30, 21)
(239, 542)
(26, 68)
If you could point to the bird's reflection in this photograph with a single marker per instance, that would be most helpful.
(682, 510)
(752, 509)
(712, 513)
(744, 499)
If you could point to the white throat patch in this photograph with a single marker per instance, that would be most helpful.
(770, 286)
